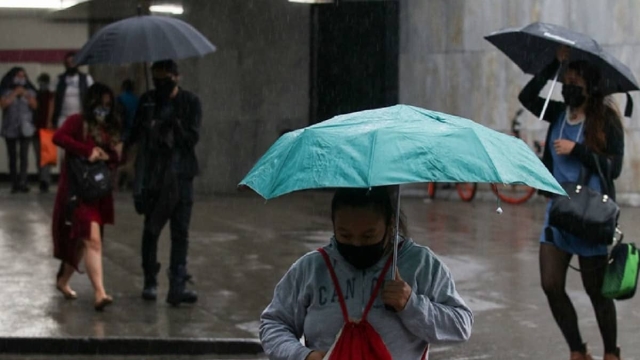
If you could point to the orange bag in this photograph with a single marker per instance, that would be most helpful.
(48, 150)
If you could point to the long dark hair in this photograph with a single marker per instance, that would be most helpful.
(377, 198)
(7, 80)
(91, 101)
(600, 109)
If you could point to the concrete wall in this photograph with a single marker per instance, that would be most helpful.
(446, 65)
(254, 86)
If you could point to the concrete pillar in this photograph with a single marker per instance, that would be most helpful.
(254, 86)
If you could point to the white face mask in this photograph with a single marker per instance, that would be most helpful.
(101, 113)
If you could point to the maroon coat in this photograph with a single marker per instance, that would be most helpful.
(67, 239)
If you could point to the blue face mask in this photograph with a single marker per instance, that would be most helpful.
(101, 113)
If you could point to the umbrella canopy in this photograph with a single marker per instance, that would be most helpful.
(144, 39)
(534, 46)
(395, 145)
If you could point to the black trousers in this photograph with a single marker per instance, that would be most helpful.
(18, 149)
(179, 226)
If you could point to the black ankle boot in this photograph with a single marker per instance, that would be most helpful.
(177, 291)
(150, 291)
(44, 187)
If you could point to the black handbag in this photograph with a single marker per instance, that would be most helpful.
(89, 180)
(586, 213)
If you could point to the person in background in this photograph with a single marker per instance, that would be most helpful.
(167, 131)
(78, 224)
(70, 89)
(43, 120)
(127, 103)
(18, 102)
(584, 131)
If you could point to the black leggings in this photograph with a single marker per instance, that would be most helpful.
(553, 271)
(18, 149)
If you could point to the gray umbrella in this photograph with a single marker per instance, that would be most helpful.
(144, 39)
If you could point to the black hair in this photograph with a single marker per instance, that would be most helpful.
(44, 77)
(70, 54)
(589, 73)
(127, 85)
(7, 79)
(378, 198)
(600, 109)
(169, 66)
(93, 99)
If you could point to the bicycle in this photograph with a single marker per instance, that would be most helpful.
(517, 194)
(514, 194)
(466, 191)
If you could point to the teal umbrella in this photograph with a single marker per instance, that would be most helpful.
(393, 146)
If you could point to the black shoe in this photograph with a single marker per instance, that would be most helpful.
(44, 187)
(15, 189)
(150, 291)
(177, 292)
(24, 189)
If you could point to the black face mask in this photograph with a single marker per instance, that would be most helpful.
(361, 257)
(164, 88)
(573, 96)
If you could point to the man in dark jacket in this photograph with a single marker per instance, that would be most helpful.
(69, 91)
(167, 130)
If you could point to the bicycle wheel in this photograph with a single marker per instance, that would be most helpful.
(513, 194)
(466, 191)
(431, 190)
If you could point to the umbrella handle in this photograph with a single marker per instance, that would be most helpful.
(396, 239)
(553, 85)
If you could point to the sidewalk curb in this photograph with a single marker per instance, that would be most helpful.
(128, 346)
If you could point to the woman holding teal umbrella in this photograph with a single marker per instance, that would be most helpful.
(421, 306)
(362, 154)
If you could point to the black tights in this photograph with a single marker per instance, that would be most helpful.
(553, 271)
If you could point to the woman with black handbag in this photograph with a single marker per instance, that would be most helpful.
(585, 137)
(84, 202)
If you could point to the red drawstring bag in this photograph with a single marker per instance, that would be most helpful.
(357, 340)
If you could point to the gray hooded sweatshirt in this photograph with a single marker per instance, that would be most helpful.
(305, 303)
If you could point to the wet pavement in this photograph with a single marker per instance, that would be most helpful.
(241, 246)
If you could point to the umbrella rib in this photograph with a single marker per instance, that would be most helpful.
(273, 185)
(493, 163)
(373, 149)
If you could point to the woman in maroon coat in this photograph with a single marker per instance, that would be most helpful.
(77, 225)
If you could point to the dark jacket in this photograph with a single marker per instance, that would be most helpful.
(610, 161)
(179, 120)
(61, 90)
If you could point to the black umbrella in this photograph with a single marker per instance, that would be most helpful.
(144, 39)
(534, 46)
